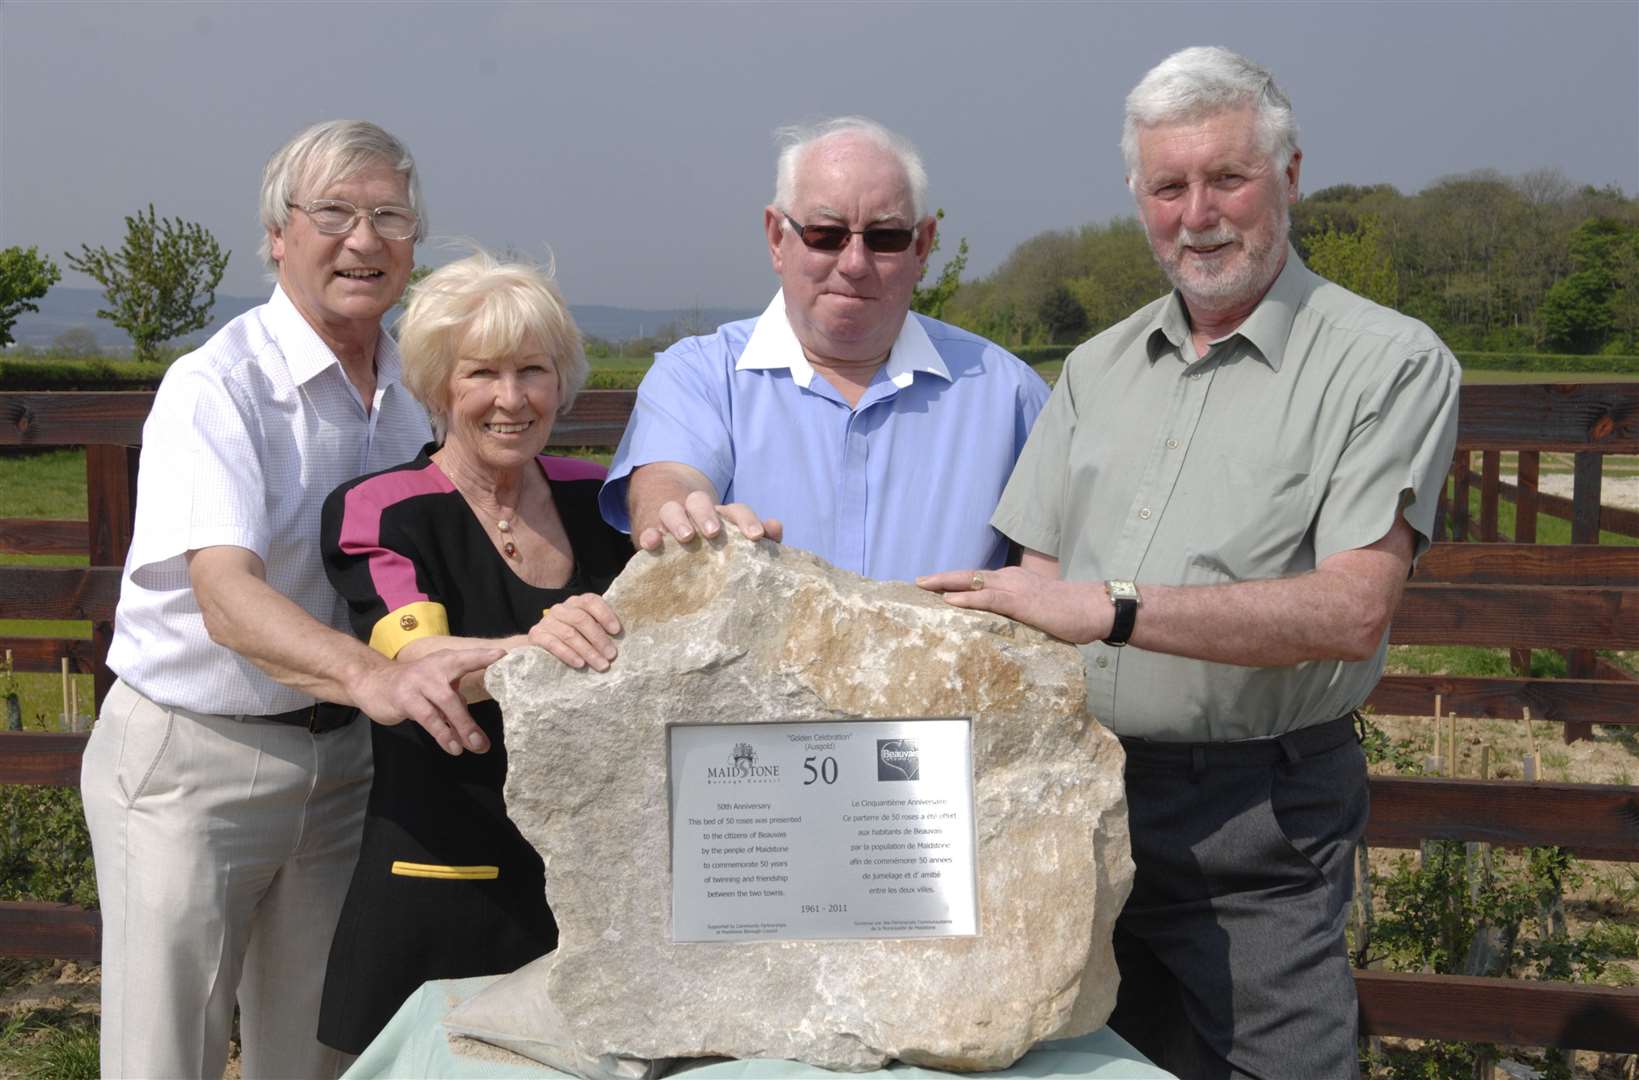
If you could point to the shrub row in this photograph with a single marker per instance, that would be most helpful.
(100, 373)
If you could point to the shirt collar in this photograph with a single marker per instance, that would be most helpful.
(773, 345)
(1267, 329)
(306, 354)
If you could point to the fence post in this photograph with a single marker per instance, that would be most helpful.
(1525, 528)
(110, 503)
(1585, 499)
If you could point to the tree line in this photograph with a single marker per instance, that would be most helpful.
(1504, 264)
(1493, 263)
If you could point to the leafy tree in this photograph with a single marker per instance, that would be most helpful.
(25, 275)
(1062, 315)
(931, 301)
(1360, 261)
(1581, 310)
(161, 283)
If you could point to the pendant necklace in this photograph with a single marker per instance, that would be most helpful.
(505, 528)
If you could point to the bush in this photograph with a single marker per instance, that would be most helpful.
(1036, 355)
(1524, 361)
(615, 378)
(89, 373)
(45, 850)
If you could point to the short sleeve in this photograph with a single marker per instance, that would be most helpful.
(1396, 457)
(1031, 511)
(372, 561)
(202, 481)
(682, 414)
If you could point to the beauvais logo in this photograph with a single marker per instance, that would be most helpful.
(898, 759)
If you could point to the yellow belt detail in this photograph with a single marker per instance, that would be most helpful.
(446, 873)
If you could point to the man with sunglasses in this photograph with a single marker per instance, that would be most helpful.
(838, 419)
(225, 782)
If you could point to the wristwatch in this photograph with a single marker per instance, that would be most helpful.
(1124, 595)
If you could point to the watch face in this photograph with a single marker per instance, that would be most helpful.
(1122, 590)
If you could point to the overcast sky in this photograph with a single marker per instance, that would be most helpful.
(635, 139)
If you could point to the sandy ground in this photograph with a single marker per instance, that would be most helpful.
(1620, 491)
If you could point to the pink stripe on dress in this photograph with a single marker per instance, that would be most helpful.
(392, 574)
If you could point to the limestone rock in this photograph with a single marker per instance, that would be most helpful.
(733, 631)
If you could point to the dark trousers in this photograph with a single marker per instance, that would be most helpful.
(1231, 947)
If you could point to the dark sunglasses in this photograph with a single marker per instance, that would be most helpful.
(883, 241)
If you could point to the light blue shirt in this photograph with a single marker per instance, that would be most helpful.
(902, 484)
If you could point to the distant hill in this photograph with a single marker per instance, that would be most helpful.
(64, 309)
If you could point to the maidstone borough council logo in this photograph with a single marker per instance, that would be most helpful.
(898, 759)
(742, 768)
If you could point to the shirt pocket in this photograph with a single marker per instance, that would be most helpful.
(1247, 520)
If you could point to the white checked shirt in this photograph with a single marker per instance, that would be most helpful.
(247, 436)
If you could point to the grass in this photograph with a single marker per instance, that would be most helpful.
(50, 484)
(1550, 530)
(49, 1044)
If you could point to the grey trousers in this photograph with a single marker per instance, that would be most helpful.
(1231, 947)
(223, 850)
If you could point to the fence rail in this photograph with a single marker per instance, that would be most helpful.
(1474, 587)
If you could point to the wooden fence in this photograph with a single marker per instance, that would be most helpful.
(1475, 587)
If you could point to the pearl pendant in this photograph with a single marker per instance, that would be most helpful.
(504, 525)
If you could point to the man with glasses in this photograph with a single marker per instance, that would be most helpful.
(838, 419)
(225, 782)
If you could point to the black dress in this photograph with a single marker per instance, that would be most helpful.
(446, 886)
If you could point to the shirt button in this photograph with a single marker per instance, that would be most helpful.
(1144, 514)
(1172, 444)
(1102, 661)
(1195, 375)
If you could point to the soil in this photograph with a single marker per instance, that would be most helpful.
(1611, 890)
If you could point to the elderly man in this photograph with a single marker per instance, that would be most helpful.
(1221, 504)
(225, 783)
(878, 438)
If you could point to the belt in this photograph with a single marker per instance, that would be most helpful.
(319, 717)
(1289, 748)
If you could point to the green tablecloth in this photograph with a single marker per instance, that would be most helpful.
(413, 1045)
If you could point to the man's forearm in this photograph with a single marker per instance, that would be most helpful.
(1314, 616)
(244, 613)
(1338, 611)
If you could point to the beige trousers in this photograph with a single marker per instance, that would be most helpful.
(223, 851)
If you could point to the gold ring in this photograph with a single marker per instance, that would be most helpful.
(547, 610)
(978, 581)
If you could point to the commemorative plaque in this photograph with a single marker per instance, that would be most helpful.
(834, 829)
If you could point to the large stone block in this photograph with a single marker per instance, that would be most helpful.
(733, 632)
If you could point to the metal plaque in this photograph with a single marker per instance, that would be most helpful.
(836, 829)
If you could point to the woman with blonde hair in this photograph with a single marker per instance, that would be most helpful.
(481, 537)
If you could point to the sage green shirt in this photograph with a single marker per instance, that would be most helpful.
(1298, 436)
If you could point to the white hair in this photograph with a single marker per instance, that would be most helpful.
(322, 155)
(1204, 81)
(796, 141)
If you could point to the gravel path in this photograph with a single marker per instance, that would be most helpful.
(1620, 491)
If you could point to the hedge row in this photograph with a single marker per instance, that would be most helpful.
(98, 373)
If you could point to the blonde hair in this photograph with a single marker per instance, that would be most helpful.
(481, 307)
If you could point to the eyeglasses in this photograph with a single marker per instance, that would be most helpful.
(883, 241)
(333, 217)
